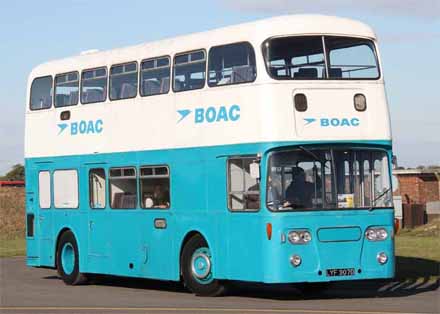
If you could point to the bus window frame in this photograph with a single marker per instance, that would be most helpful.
(105, 187)
(77, 187)
(324, 146)
(106, 85)
(229, 44)
(109, 80)
(109, 190)
(174, 69)
(51, 96)
(55, 89)
(228, 182)
(140, 74)
(140, 177)
(326, 58)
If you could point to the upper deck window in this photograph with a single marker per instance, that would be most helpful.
(93, 85)
(295, 58)
(66, 89)
(231, 64)
(351, 58)
(320, 57)
(41, 93)
(189, 71)
(123, 81)
(155, 76)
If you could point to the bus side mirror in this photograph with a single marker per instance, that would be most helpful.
(255, 170)
(394, 161)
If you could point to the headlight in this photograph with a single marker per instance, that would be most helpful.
(299, 237)
(376, 234)
(382, 258)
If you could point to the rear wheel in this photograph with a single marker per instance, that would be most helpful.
(197, 268)
(67, 260)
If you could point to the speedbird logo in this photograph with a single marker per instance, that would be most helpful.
(211, 114)
(82, 127)
(334, 122)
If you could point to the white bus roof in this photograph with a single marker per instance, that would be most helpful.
(254, 32)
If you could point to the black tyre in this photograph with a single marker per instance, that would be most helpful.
(196, 267)
(67, 260)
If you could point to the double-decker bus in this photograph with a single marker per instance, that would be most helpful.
(259, 152)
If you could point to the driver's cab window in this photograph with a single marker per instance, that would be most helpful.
(243, 189)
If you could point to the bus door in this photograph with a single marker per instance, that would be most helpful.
(157, 223)
(44, 213)
(32, 242)
(96, 198)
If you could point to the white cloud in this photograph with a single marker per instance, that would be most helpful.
(405, 8)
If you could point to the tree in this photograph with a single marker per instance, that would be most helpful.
(17, 173)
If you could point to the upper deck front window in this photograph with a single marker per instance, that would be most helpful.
(320, 57)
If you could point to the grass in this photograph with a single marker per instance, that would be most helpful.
(417, 250)
(15, 247)
(12, 220)
(12, 213)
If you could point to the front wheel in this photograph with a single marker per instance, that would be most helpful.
(67, 260)
(197, 268)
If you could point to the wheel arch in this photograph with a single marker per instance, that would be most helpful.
(60, 233)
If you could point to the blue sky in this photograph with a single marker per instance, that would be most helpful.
(33, 32)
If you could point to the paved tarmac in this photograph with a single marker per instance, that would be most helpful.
(30, 290)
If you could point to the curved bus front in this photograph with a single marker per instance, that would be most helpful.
(331, 239)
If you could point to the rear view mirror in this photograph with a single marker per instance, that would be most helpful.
(255, 170)
(394, 161)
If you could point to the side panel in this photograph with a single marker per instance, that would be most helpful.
(126, 242)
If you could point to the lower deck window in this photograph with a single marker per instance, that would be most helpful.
(44, 190)
(97, 188)
(155, 187)
(123, 189)
(243, 190)
(65, 188)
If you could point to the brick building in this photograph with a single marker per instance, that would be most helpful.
(418, 186)
(418, 193)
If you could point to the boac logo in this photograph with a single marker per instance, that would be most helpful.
(334, 122)
(82, 127)
(212, 114)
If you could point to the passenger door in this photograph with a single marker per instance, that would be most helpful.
(98, 239)
(157, 223)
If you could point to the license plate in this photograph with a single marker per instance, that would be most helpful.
(340, 272)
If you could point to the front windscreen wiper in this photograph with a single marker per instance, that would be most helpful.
(378, 197)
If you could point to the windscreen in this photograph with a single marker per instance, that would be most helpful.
(327, 178)
(320, 57)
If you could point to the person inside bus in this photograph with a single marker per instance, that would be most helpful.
(299, 193)
(161, 198)
(273, 190)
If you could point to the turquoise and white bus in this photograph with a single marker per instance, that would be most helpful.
(259, 152)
